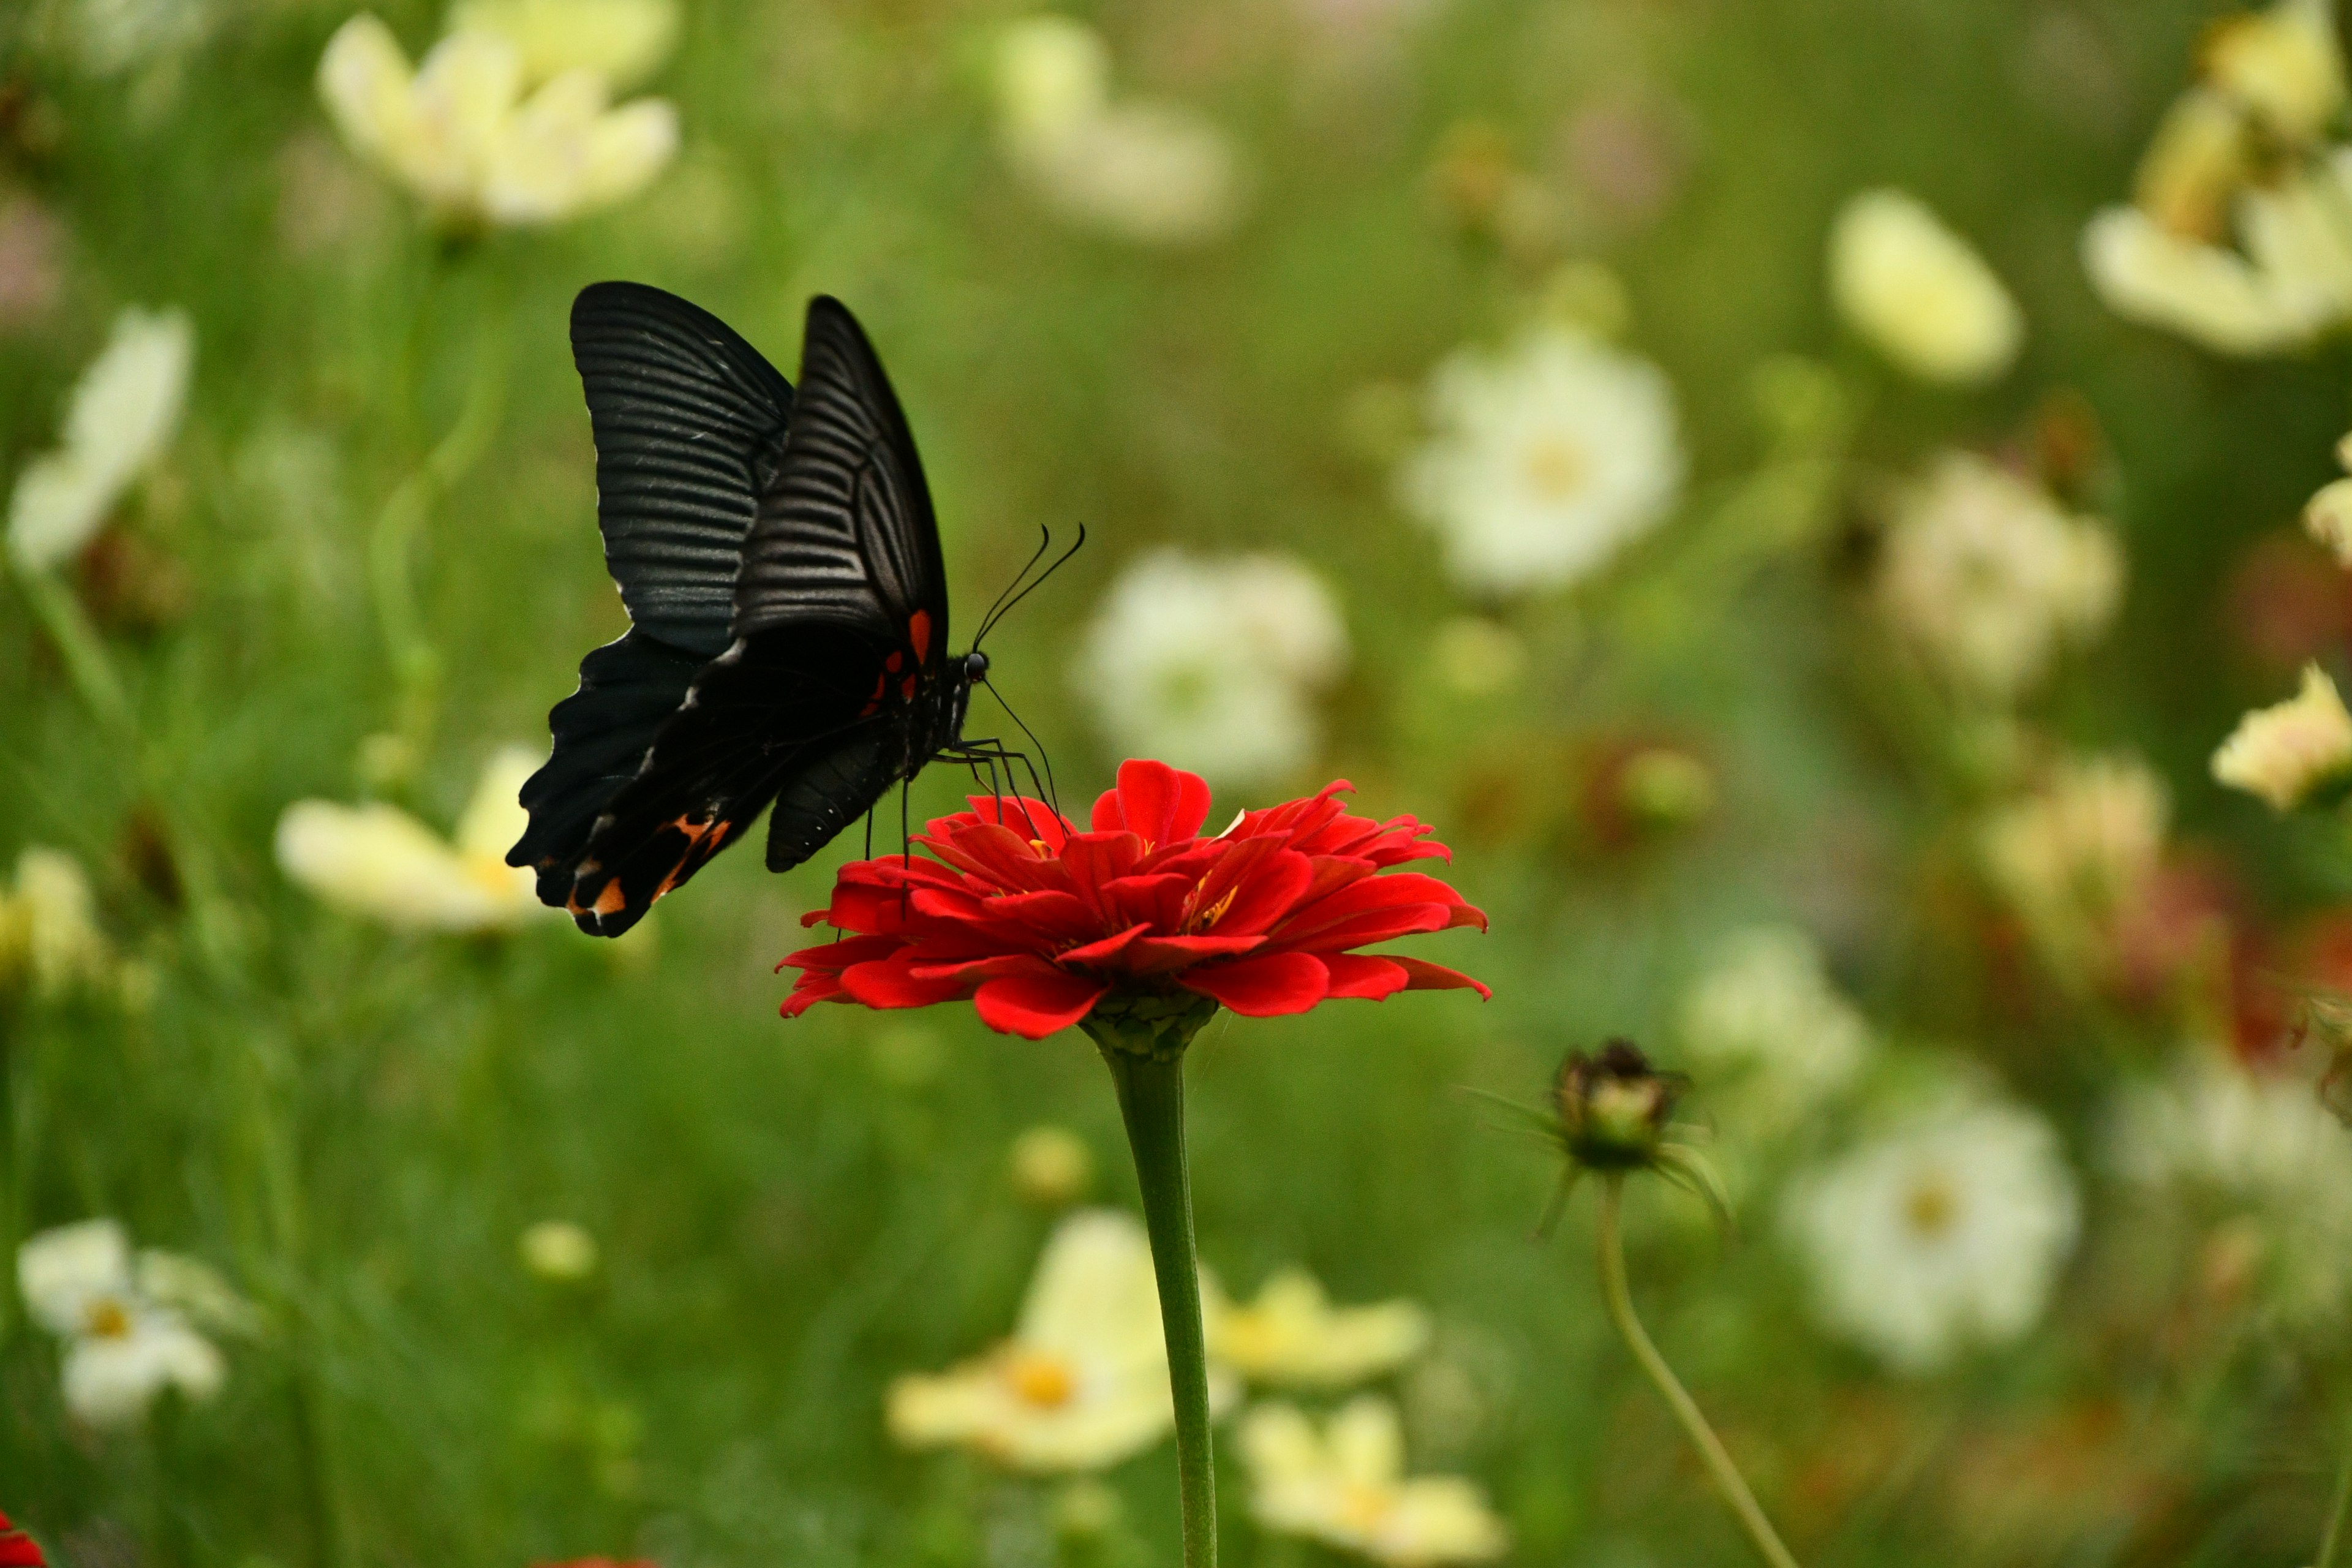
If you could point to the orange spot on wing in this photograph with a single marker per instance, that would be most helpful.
(907, 686)
(918, 632)
(894, 661)
(611, 900)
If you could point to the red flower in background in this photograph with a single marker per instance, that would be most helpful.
(19, 1549)
(1036, 922)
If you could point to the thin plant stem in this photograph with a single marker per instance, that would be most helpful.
(78, 644)
(2331, 1540)
(1151, 1102)
(1720, 1470)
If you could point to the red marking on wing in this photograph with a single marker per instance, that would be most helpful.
(894, 661)
(907, 686)
(918, 632)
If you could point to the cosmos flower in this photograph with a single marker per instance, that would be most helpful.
(1292, 1336)
(1345, 1485)
(1216, 663)
(2076, 855)
(1146, 172)
(2258, 1149)
(1040, 923)
(1987, 577)
(1942, 1233)
(1763, 1025)
(1917, 292)
(1544, 461)
(621, 41)
(462, 134)
(1083, 1382)
(2289, 281)
(126, 1341)
(378, 861)
(2286, 752)
(19, 1549)
(49, 926)
(122, 414)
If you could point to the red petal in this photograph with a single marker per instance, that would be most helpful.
(19, 1552)
(1264, 987)
(1364, 976)
(1166, 954)
(807, 991)
(1094, 858)
(1032, 819)
(890, 983)
(1102, 952)
(1157, 803)
(1428, 976)
(832, 957)
(1364, 929)
(1035, 1005)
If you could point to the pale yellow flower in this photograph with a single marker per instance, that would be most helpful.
(2284, 65)
(462, 134)
(623, 41)
(49, 926)
(2327, 516)
(558, 1250)
(1916, 290)
(1083, 1382)
(1148, 171)
(123, 1347)
(2193, 165)
(2284, 752)
(378, 861)
(1051, 1166)
(1292, 1335)
(1345, 1486)
(2291, 282)
(123, 413)
(2077, 854)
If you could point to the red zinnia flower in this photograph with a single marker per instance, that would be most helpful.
(19, 1549)
(1036, 922)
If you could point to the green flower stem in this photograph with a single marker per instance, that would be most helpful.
(1719, 1468)
(1150, 1077)
(2331, 1540)
(78, 644)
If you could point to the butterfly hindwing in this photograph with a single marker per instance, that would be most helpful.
(690, 425)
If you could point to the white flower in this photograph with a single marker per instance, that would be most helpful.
(1546, 460)
(559, 1251)
(49, 925)
(1345, 1486)
(461, 133)
(1083, 1382)
(2194, 165)
(377, 860)
(2262, 1147)
(1214, 664)
(2292, 281)
(1152, 173)
(2284, 66)
(1988, 576)
(122, 414)
(1293, 1336)
(623, 41)
(1918, 293)
(1764, 1023)
(2284, 752)
(123, 1347)
(2078, 854)
(1943, 1234)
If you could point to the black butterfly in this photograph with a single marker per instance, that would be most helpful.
(781, 567)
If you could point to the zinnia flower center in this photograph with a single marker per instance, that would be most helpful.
(1556, 467)
(1214, 913)
(1045, 1382)
(1932, 1207)
(107, 1319)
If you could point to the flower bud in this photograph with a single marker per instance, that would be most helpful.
(1614, 1106)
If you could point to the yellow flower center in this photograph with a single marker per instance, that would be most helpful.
(1556, 467)
(1932, 1207)
(1045, 1382)
(107, 1319)
(1215, 911)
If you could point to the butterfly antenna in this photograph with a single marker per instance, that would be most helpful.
(1044, 542)
(997, 615)
(1053, 796)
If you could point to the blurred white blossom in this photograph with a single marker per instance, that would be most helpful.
(559, 1251)
(1916, 290)
(378, 861)
(49, 926)
(1148, 171)
(1345, 1485)
(1292, 1335)
(2283, 66)
(2076, 855)
(123, 1345)
(2327, 516)
(462, 133)
(1943, 1233)
(2290, 748)
(122, 414)
(1051, 1166)
(1083, 1382)
(1214, 664)
(623, 41)
(1988, 577)
(1764, 1025)
(2252, 1146)
(1544, 461)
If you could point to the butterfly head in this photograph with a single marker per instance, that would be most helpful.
(975, 668)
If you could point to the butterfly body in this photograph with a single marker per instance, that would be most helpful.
(779, 562)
